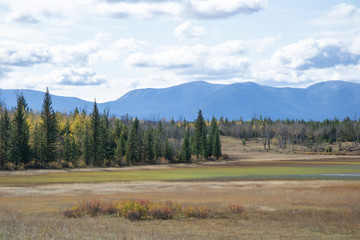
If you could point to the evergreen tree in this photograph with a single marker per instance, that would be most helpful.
(5, 125)
(216, 149)
(19, 138)
(97, 156)
(67, 150)
(168, 150)
(120, 150)
(159, 138)
(132, 145)
(149, 145)
(86, 146)
(211, 137)
(200, 135)
(108, 151)
(37, 144)
(49, 129)
(185, 148)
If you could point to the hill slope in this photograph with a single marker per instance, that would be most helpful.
(320, 101)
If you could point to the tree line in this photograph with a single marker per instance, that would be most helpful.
(52, 139)
(285, 133)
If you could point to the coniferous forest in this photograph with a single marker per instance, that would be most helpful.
(51, 139)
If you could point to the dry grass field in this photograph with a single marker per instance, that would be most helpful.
(274, 209)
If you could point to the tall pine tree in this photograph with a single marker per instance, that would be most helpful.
(49, 129)
(216, 149)
(185, 148)
(19, 138)
(97, 155)
(200, 135)
(4, 138)
(133, 144)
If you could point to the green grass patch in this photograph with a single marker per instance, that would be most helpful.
(184, 174)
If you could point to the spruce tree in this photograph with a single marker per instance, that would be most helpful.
(49, 129)
(5, 125)
(86, 146)
(149, 145)
(67, 150)
(185, 148)
(200, 135)
(108, 152)
(216, 149)
(211, 137)
(97, 156)
(132, 145)
(19, 138)
(37, 145)
(168, 150)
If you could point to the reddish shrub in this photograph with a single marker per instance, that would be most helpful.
(133, 215)
(236, 208)
(73, 212)
(161, 212)
(199, 212)
(108, 208)
(92, 208)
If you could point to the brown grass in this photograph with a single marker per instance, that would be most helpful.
(278, 209)
(274, 209)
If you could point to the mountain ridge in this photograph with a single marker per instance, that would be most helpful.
(325, 100)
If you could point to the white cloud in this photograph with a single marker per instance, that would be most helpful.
(220, 8)
(342, 15)
(77, 54)
(113, 52)
(206, 9)
(311, 60)
(23, 55)
(77, 77)
(140, 9)
(186, 30)
(312, 53)
(218, 61)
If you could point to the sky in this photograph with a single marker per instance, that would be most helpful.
(101, 49)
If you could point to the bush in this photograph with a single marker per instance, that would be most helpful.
(92, 208)
(108, 208)
(73, 212)
(132, 209)
(236, 208)
(199, 212)
(134, 214)
(161, 212)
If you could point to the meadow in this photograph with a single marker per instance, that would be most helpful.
(284, 196)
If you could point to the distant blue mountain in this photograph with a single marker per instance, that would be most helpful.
(325, 100)
(35, 100)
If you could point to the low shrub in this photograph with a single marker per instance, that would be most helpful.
(107, 208)
(199, 212)
(161, 212)
(92, 207)
(134, 214)
(236, 208)
(73, 212)
(132, 209)
(135, 210)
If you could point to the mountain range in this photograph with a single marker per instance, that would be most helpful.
(325, 100)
